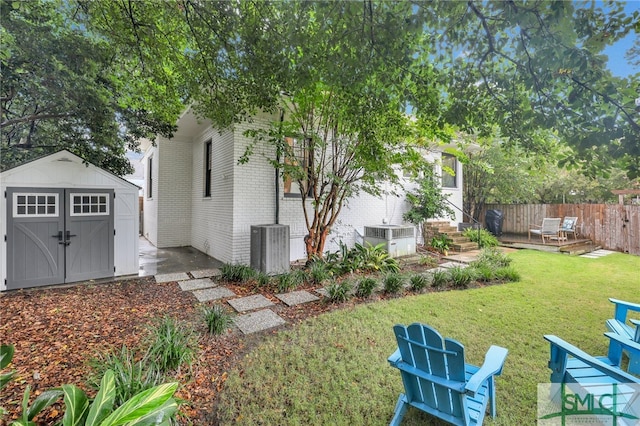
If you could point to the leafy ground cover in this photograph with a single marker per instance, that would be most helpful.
(330, 365)
(57, 332)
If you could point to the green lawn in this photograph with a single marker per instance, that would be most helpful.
(333, 369)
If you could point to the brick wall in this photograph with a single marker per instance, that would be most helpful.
(243, 195)
(150, 209)
(173, 193)
(212, 217)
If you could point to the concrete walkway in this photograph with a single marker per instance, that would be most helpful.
(597, 254)
(256, 312)
(155, 261)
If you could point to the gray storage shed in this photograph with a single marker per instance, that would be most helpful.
(64, 220)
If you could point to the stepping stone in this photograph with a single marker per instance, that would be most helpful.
(206, 273)
(196, 284)
(438, 269)
(258, 321)
(176, 276)
(448, 265)
(215, 293)
(297, 297)
(249, 303)
(322, 292)
(597, 254)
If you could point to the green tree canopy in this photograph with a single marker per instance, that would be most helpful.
(62, 89)
(540, 65)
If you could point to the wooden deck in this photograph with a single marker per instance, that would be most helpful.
(568, 246)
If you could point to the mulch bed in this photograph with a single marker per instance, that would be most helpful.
(56, 331)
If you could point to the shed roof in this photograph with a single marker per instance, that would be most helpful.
(63, 156)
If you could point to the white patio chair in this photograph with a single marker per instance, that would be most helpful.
(549, 229)
(568, 226)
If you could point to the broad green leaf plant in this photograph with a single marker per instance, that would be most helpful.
(154, 406)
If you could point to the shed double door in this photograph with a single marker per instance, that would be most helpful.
(57, 236)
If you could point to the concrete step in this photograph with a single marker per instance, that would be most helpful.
(437, 223)
(462, 247)
(458, 238)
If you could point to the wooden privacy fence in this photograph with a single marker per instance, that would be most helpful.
(611, 226)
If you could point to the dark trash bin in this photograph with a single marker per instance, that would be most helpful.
(493, 221)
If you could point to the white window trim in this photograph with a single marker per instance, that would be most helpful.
(455, 167)
(36, 194)
(87, 194)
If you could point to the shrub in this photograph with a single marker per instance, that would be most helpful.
(218, 320)
(154, 403)
(507, 273)
(237, 272)
(366, 287)
(131, 374)
(418, 282)
(461, 277)
(483, 237)
(392, 283)
(170, 345)
(440, 279)
(339, 292)
(362, 258)
(441, 243)
(6, 355)
(373, 258)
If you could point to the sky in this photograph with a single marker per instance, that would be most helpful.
(618, 65)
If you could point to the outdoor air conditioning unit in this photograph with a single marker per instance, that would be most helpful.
(270, 248)
(398, 240)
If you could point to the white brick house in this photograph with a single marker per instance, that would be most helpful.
(180, 209)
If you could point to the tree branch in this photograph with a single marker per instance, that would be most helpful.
(34, 117)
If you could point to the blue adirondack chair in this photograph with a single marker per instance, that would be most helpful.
(618, 325)
(597, 376)
(438, 381)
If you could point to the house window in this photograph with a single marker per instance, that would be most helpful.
(89, 204)
(150, 177)
(35, 204)
(298, 155)
(449, 171)
(207, 169)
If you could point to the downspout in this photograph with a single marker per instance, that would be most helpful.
(277, 175)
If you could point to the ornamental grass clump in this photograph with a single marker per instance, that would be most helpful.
(237, 272)
(319, 272)
(262, 279)
(171, 344)
(492, 257)
(507, 274)
(418, 282)
(217, 319)
(131, 373)
(461, 277)
(290, 281)
(440, 279)
(366, 286)
(339, 291)
(392, 283)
